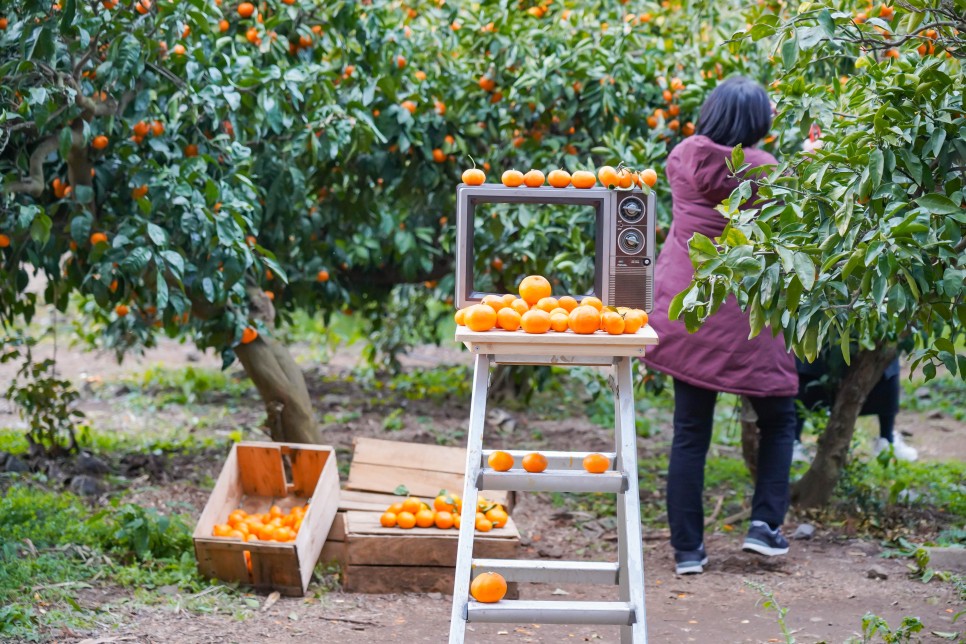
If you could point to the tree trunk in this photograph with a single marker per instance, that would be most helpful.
(280, 382)
(815, 488)
(749, 437)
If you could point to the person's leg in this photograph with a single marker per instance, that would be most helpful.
(776, 422)
(693, 420)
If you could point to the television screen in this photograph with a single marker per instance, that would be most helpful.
(557, 241)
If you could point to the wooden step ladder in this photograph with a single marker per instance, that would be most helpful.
(564, 473)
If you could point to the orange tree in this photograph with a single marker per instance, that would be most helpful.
(858, 246)
(203, 168)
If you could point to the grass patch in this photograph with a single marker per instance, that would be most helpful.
(186, 385)
(944, 393)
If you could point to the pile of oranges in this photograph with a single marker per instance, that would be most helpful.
(536, 462)
(443, 514)
(274, 525)
(621, 177)
(537, 311)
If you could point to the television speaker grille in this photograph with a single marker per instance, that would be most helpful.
(630, 287)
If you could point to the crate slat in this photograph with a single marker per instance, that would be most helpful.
(262, 471)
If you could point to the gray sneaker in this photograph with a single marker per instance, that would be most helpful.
(690, 562)
(764, 541)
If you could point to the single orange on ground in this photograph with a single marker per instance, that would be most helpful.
(535, 321)
(388, 520)
(559, 178)
(596, 463)
(547, 304)
(488, 587)
(425, 518)
(460, 317)
(559, 322)
(495, 302)
(520, 305)
(634, 320)
(612, 322)
(533, 179)
(483, 524)
(595, 302)
(473, 177)
(444, 520)
(584, 319)
(497, 516)
(405, 520)
(508, 319)
(583, 179)
(649, 177)
(608, 177)
(567, 302)
(512, 178)
(533, 288)
(480, 317)
(412, 505)
(535, 462)
(500, 461)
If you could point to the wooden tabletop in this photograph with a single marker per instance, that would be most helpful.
(557, 343)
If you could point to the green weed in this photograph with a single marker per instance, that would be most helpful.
(186, 385)
(771, 603)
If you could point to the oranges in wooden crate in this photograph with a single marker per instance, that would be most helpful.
(537, 311)
(274, 525)
(443, 513)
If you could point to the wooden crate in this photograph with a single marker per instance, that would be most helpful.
(254, 478)
(375, 559)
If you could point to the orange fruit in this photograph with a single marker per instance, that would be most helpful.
(520, 305)
(535, 321)
(584, 319)
(487, 83)
(409, 106)
(509, 297)
(405, 520)
(533, 179)
(612, 322)
(322, 276)
(460, 317)
(500, 461)
(559, 178)
(583, 179)
(425, 518)
(473, 177)
(98, 238)
(139, 192)
(444, 520)
(559, 321)
(649, 176)
(439, 156)
(625, 178)
(100, 142)
(547, 304)
(456, 520)
(488, 587)
(480, 317)
(246, 9)
(535, 462)
(608, 177)
(512, 178)
(191, 150)
(140, 128)
(121, 310)
(483, 524)
(495, 302)
(497, 516)
(412, 505)
(634, 320)
(388, 520)
(221, 530)
(5, 241)
(595, 302)
(596, 463)
(248, 335)
(567, 302)
(558, 309)
(533, 288)
(508, 319)
(443, 503)
(395, 508)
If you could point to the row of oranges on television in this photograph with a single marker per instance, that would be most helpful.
(274, 525)
(537, 311)
(609, 176)
(444, 513)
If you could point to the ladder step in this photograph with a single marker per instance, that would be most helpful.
(551, 612)
(555, 460)
(541, 571)
(552, 481)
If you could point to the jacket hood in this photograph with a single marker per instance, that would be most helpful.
(700, 162)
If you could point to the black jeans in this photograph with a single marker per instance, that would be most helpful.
(693, 420)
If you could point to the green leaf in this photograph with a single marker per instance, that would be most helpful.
(701, 249)
(67, 13)
(64, 142)
(790, 52)
(157, 235)
(876, 163)
(737, 157)
(40, 228)
(208, 288)
(938, 204)
(805, 269)
(83, 194)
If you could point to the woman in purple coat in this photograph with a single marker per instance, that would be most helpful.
(719, 357)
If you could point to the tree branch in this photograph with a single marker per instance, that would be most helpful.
(33, 185)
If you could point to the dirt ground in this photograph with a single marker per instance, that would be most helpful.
(827, 583)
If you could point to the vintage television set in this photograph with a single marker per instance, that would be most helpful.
(621, 221)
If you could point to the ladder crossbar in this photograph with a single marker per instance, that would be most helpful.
(552, 481)
(555, 460)
(551, 612)
(540, 571)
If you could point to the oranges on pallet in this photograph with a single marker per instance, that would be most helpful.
(274, 525)
(537, 311)
(444, 513)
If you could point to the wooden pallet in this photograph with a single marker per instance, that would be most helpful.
(254, 478)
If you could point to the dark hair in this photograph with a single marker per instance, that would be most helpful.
(736, 111)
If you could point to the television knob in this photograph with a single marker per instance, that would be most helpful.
(633, 241)
(632, 210)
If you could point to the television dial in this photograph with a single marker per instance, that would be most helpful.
(631, 241)
(632, 210)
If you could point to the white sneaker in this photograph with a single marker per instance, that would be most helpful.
(900, 449)
(799, 455)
